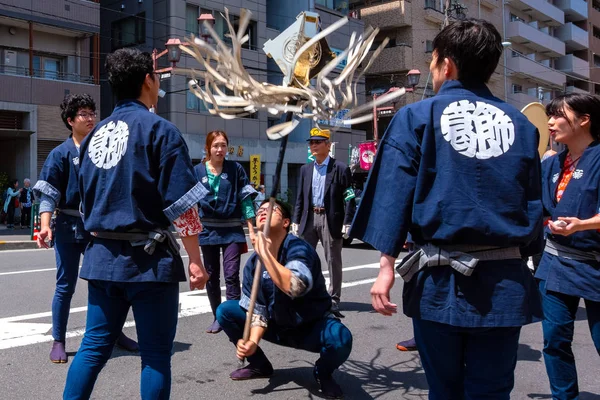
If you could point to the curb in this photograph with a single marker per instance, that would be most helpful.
(22, 245)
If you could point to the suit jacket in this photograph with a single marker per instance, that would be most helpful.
(337, 180)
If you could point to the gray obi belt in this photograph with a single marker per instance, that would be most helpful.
(569, 252)
(462, 258)
(147, 239)
(71, 213)
(221, 222)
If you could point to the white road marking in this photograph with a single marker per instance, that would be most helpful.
(29, 271)
(15, 333)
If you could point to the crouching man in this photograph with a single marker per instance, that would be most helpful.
(292, 307)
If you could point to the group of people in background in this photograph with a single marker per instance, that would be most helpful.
(475, 208)
(18, 198)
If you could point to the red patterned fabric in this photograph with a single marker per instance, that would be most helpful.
(188, 223)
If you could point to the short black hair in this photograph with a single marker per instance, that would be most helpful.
(474, 45)
(127, 69)
(71, 105)
(286, 211)
(580, 104)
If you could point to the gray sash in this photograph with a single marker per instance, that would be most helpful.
(221, 223)
(569, 252)
(463, 259)
(146, 239)
(71, 213)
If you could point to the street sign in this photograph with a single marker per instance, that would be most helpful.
(165, 75)
(385, 112)
(309, 157)
(255, 169)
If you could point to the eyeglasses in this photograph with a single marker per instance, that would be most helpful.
(87, 115)
(263, 210)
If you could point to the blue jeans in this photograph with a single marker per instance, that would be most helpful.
(467, 363)
(558, 327)
(326, 336)
(155, 306)
(67, 271)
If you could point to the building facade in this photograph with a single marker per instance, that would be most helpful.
(149, 24)
(549, 45)
(48, 49)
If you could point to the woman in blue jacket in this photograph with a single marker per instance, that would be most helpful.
(221, 211)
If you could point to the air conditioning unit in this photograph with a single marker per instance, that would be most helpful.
(10, 58)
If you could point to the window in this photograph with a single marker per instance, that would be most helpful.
(47, 67)
(14, 62)
(340, 6)
(222, 29)
(194, 103)
(596, 60)
(514, 18)
(517, 88)
(429, 46)
(129, 31)
(434, 4)
(192, 13)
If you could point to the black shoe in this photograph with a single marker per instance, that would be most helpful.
(329, 387)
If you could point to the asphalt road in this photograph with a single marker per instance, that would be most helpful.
(202, 362)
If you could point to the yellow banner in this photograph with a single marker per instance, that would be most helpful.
(255, 169)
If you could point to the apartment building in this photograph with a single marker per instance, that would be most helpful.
(149, 25)
(48, 49)
(548, 45)
(550, 49)
(411, 27)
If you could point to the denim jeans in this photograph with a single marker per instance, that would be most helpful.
(155, 306)
(467, 363)
(231, 272)
(67, 271)
(327, 336)
(558, 327)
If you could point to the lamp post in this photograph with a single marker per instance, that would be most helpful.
(203, 29)
(173, 52)
(174, 55)
(413, 77)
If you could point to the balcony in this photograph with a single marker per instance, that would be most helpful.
(575, 10)
(490, 4)
(393, 14)
(75, 12)
(573, 66)
(29, 90)
(574, 37)
(433, 12)
(391, 60)
(573, 89)
(520, 32)
(521, 99)
(533, 71)
(540, 10)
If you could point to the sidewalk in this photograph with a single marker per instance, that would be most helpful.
(15, 239)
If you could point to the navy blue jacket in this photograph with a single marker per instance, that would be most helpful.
(135, 174)
(276, 306)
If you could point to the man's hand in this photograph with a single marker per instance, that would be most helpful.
(565, 226)
(345, 231)
(261, 245)
(380, 292)
(198, 276)
(294, 229)
(45, 233)
(245, 349)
